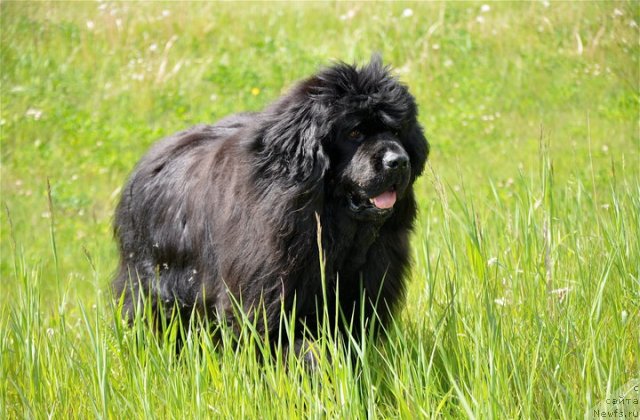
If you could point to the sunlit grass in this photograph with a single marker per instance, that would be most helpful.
(524, 295)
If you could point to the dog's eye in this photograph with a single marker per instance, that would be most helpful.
(355, 135)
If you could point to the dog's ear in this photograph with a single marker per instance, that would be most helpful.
(289, 145)
(417, 147)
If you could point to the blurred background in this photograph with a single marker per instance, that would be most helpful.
(87, 87)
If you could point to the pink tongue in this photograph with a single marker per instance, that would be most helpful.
(386, 200)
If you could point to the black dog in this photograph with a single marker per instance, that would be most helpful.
(217, 215)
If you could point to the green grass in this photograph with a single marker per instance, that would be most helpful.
(524, 296)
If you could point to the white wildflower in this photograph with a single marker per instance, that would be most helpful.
(34, 113)
(350, 15)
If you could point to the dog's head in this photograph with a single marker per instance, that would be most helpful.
(356, 128)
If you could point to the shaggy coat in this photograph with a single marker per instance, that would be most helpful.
(228, 213)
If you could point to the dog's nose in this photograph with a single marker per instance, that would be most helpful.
(394, 160)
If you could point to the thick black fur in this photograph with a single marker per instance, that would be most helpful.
(227, 212)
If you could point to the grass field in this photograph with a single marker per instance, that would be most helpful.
(524, 297)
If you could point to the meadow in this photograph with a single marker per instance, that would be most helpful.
(524, 296)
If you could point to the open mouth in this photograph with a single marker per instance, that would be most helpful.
(379, 204)
(386, 200)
